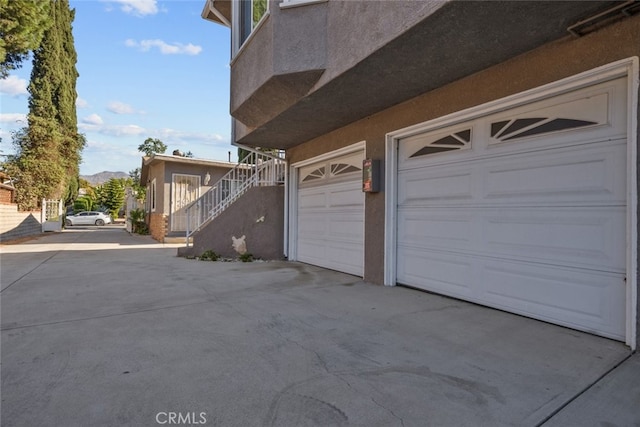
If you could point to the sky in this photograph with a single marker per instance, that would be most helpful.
(148, 69)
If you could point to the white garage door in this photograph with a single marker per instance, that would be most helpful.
(523, 210)
(330, 229)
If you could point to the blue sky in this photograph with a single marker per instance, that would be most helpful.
(148, 69)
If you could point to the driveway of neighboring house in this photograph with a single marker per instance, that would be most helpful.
(101, 328)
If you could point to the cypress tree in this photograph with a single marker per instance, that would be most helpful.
(66, 95)
(48, 153)
(22, 25)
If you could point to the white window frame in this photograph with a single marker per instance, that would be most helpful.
(147, 198)
(236, 36)
(628, 68)
(286, 4)
(152, 201)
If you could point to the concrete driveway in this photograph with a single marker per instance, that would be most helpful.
(101, 328)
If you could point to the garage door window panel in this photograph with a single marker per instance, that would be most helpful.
(455, 141)
(313, 175)
(583, 113)
(343, 168)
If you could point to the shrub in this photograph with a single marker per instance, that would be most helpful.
(141, 228)
(138, 225)
(83, 203)
(246, 257)
(209, 255)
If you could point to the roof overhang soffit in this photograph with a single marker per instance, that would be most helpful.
(218, 11)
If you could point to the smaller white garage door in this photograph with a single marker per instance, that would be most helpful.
(330, 214)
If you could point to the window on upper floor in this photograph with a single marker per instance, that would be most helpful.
(250, 14)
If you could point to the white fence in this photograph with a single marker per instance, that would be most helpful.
(52, 215)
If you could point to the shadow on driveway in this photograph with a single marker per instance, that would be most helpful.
(103, 328)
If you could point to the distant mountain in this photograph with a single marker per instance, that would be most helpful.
(102, 177)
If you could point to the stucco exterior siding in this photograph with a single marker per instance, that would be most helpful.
(297, 51)
(370, 55)
(162, 169)
(554, 61)
(352, 37)
(257, 215)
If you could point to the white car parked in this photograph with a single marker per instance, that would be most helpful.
(88, 218)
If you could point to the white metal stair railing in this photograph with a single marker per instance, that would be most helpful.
(256, 169)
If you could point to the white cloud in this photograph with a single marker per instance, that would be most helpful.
(118, 107)
(164, 47)
(10, 122)
(176, 135)
(93, 119)
(5, 137)
(81, 103)
(114, 147)
(137, 7)
(110, 146)
(112, 130)
(13, 86)
(101, 155)
(123, 130)
(14, 118)
(166, 135)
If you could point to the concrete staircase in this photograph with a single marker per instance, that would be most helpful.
(257, 169)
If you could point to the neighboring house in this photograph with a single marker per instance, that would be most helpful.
(173, 182)
(7, 190)
(506, 134)
(15, 224)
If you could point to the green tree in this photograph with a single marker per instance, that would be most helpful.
(48, 151)
(37, 174)
(65, 95)
(139, 189)
(259, 9)
(87, 188)
(242, 153)
(114, 195)
(83, 203)
(152, 146)
(100, 197)
(22, 27)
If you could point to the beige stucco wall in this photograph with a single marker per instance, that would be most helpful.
(163, 172)
(546, 64)
(257, 215)
(154, 221)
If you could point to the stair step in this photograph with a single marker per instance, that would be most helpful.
(254, 173)
(176, 239)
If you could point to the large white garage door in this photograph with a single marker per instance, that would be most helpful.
(523, 210)
(330, 228)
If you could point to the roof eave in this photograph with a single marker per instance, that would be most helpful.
(218, 11)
